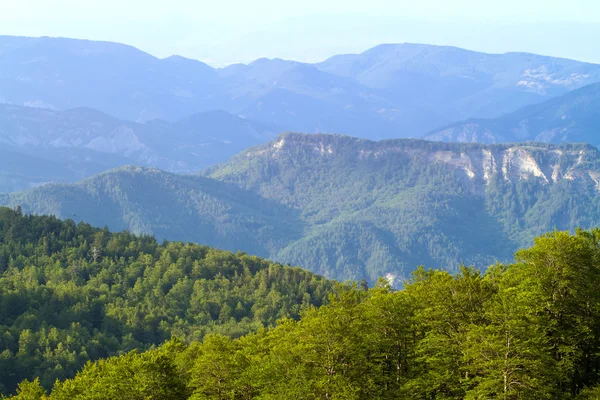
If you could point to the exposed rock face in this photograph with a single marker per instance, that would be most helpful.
(122, 140)
(545, 163)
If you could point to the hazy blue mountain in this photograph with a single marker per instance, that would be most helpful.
(301, 97)
(129, 84)
(350, 208)
(20, 171)
(64, 146)
(389, 91)
(573, 117)
(117, 79)
(459, 83)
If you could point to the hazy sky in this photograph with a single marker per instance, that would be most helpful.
(225, 31)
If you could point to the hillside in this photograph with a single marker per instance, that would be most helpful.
(71, 293)
(573, 117)
(395, 90)
(174, 207)
(350, 208)
(526, 330)
(66, 146)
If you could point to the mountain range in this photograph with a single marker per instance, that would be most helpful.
(394, 90)
(349, 208)
(41, 145)
(573, 117)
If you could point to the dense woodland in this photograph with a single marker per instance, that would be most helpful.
(70, 293)
(528, 330)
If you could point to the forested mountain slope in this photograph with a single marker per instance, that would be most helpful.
(350, 208)
(170, 206)
(528, 330)
(70, 293)
(384, 207)
(573, 117)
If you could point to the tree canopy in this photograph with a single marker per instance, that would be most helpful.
(528, 330)
(70, 293)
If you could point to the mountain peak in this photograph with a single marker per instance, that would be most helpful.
(413, 46)
(180, 61)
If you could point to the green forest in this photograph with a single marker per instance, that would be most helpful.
(141, 320)
(70, 293)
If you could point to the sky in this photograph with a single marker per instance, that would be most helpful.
(222, 32)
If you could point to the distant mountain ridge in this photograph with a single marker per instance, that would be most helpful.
(350, 208)
(80, 142)
(469, 83)
(402, 90)
(573, 117)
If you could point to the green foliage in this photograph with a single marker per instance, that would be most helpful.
(152, 375)
(523, 331)
(30, 391)
(592, 393)
(70, 293)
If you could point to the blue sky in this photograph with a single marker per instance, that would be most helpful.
(227, 31)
